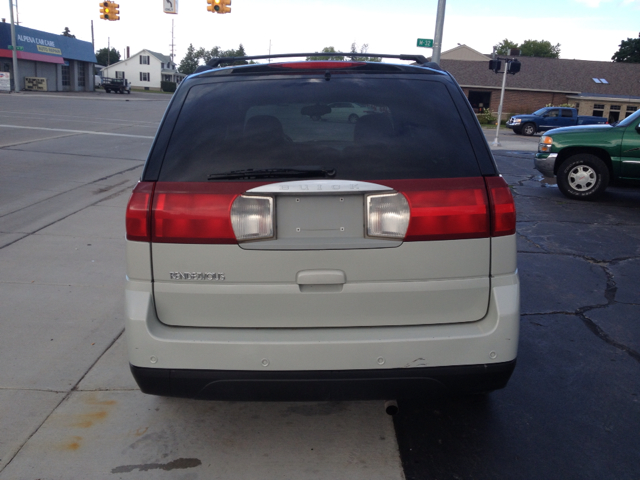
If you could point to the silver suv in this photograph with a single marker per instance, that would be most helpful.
(272, 255)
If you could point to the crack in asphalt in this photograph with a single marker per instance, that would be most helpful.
(611, 288)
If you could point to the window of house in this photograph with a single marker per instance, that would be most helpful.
(479, 100)
(162, 65)
(598, 110)
(66, 76)
(80, 74)
(630, 110)
(119, 74)
(144, 59)
(144, 76)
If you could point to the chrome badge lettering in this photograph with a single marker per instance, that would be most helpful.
(197, 276)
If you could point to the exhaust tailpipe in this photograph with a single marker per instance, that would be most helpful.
(391, 407)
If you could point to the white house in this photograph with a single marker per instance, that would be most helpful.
(145, 69)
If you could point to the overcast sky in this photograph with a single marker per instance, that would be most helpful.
(585, 29)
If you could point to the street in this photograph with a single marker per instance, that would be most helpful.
(69, 408)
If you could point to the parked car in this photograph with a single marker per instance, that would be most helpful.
(548, 118)
(273, 258)
(116, 85)
(586, 159)
(346, 112)
(97, 81)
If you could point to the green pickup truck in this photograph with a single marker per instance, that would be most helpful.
(586, 159)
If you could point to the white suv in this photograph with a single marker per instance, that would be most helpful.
(271, 256)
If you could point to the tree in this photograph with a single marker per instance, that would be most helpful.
(67, 33)
(530, 48)
(107, 57)
(363, 49)
(194, 57)
(189, 63)
(629, 51)
(504, 46)
(540, 48)
(328, 57)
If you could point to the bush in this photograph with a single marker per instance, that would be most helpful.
(486, 118)
(168, 86)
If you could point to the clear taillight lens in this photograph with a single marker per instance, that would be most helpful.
(252, 218)
(387, 215)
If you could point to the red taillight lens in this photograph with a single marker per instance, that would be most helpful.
(503, 208)
(138, 217)
(191, 213)
(320, 65)
(445, 209)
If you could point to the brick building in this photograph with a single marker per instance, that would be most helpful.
(606, 89)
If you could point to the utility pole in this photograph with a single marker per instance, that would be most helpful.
(437, 38)
(172, 44)
(14, 52)
(92, 40)
(108, 51)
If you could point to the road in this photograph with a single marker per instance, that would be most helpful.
(69, 408)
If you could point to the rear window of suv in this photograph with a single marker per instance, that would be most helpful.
(361, 128)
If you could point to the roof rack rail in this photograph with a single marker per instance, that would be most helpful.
(216, 62)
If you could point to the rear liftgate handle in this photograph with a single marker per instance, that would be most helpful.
(325, 281)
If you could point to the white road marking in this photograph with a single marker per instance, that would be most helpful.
(88, 132)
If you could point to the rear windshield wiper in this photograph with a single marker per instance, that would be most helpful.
(294, 172)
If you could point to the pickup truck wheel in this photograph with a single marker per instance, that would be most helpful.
(528, 129)
(583, 177)
(106, 90)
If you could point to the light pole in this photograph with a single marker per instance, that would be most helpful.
(437, 37)
(496, 142)
(14, 53)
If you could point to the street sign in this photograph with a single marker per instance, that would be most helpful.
(170, 6)
(18, 48)
(425, 42)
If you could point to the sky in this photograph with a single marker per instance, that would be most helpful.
(585, 29)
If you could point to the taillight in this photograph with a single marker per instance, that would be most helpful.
(252, 218)
(445, 209)
(138, 216)
(503, 208)
(387, 215)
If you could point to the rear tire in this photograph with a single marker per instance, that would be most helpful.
(107, 90)
(583, 177)
(529, 129)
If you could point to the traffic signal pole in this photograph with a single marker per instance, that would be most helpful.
(437, 37)
(496, 142)
(14, 53)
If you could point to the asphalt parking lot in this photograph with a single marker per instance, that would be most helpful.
(69, 408)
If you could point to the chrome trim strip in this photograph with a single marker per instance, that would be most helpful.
(320, 186)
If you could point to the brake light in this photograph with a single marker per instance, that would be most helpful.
(320, 65)
(138, 216)
(503, 208)
(445, 209)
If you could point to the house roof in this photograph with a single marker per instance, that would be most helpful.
(464, 52)
(161, 57)
(553, 75)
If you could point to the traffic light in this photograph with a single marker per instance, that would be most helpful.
(109, 11)
(495, 65)
(219, 6)
(513, 67)
(115, 11)
(104, 10)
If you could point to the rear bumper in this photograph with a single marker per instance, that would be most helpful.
(323, 385)
(245, 363)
